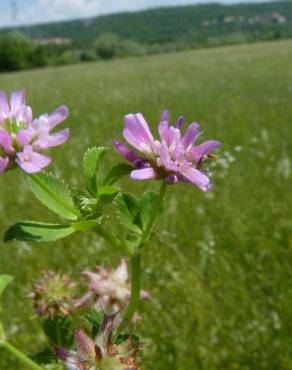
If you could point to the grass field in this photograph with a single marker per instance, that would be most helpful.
(221, 271)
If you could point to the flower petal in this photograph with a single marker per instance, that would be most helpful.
(85, 346)
(180, 121)
(17, 100)
(197, 178)
(5, 142)
(143, 174)
(137, 132)
(165, 116)
(3, 164)
(163, 130)
(24, 137)
(71, 359)
(128, 154)
(191, 134)
(24, 114)
(48, 141)
(121, 273)
(4, 106)
(203, 149)
(30, 161)
(58, 116)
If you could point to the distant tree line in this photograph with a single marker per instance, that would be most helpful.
(18, 52)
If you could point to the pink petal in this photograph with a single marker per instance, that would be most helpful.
(137, 132)
(85, 346)
(24, 114)
(17, 100)
(165, 116)
(24, 137)
(4, 106)
(128, 154)
(163, 130)
(32, 162)
(197, 178)
(191, 134)
(3, 164)
(180, 121)
(70, 358)
(203, 149)
(58, 116)
(48, 141)
(5, 142)
(121, 273)
(143, 174)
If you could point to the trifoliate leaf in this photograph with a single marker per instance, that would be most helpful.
(87, 224)
(118, 171)
(147, 204)
(54, 194)
(106, 194)
(59, 331)
(95, 318)
(37, 231)
(91, 162)
(128, 212)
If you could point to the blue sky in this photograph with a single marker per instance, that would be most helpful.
(40, 11)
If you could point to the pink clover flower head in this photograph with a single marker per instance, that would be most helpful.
(101, 352)
(22, 138)
(109, 289)
(173, 158)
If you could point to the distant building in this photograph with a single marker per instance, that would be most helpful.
(229, 19)
(278, 18)
(53, 41)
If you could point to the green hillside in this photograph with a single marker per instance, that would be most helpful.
(198, 22)
(220, 271)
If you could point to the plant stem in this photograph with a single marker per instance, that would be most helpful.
(136, 277)
(154, 213)
(21, 356)
(111, 239)
(136, 270)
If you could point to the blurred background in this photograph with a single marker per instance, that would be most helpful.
(219, 270)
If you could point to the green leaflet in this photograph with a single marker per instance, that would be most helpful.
(128, 212)
(91, 162)
(106, 194)
(118, 171)
(87, 224)
(37, 231)
(147, 202)
(54, 194)
(134, 213)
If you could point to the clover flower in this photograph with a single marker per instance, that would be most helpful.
(53, 295)
(109, 289)
(22, 138)
(101, 353)
(174, 158)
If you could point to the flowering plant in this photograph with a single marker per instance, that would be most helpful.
(110, 303)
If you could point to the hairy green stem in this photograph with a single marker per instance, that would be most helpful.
(136, 270)
(111, 239)
(20, 356)
(136, 274)
(154, 214)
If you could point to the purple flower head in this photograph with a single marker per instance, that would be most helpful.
(102, 352)
(109, 290)
(174, 158)
(22, 138)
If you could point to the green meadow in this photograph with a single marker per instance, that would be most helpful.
(220, 268)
